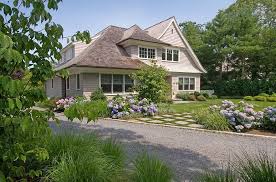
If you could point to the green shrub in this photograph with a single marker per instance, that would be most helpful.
(213, 97)
(91, 110)
(273, 94)
(84, 158)
(98, 94)
(192, 97)
(246, 169)
(151, 83)
(150, 169)
(244, 87)
(260, 98)
(206, 95)
(271, 99)
(263, 94)
(201, 98)
(248, 98)
(212, 120)
(183, 95)
(196, 94)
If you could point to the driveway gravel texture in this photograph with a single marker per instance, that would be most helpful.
(189, 153)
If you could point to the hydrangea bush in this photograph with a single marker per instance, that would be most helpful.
(270, 118)
(121, 107)
(62, 104)
(241, 116)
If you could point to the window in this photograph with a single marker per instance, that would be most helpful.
(147, 53)
(52, 83)
(106, 83)
(163, 54)
(118, 81)
(68, 83)
(186, 83)
(128, 83)
(151, 53)
(180, 84)
(170, 55)
(175, 55)
(78, 81)
(143, 52)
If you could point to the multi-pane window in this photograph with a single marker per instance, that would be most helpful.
(106, 83)
(147, 53)
(68, 83)
(186, 83)
(129, 83)
(175, 55)
(151, 53)
(77, 81)
(143, 52)
(163, 54)
(170, 55)
(116, 83)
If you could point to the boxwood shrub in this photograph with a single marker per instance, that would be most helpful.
(260, 98)
(248, 98)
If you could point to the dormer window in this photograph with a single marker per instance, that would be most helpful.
(147, 53)
(170, 55)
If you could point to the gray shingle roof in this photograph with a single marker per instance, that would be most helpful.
(136, 33)
(104, 52)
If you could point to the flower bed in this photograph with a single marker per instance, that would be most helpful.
(243, 117)
(120, 107)
(62, 104)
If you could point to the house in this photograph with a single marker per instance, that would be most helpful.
(115, 52)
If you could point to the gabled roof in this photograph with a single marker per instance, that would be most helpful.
(136, 33)
(159, 29)
(105, 53)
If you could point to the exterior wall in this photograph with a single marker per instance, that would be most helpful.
(175, 83)
(90, 83)
(132, 51)
(172, 37)
(73, 91)
(56, 91)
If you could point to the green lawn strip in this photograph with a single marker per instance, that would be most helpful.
(194, 106)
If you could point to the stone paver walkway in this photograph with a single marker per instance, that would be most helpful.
(178, 119)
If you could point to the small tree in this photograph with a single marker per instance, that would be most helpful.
(151, 83)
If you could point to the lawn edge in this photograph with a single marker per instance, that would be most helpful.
(194, 129)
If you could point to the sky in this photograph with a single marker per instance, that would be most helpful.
(95, 15)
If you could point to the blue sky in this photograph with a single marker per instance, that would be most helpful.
(94, 15)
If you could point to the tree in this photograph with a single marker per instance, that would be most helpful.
(29, 43)
(151, 83)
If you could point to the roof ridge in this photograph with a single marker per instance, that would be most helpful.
(109, 26)
(160, 22)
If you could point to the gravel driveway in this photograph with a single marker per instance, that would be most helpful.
(187, 152)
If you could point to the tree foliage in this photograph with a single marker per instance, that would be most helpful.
(29, 44)
(238, 43)
(151, 83)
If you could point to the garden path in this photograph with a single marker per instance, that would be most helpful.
(187, 152)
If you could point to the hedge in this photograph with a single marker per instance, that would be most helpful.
(244, 87)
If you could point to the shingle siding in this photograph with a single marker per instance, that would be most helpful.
(56, 91)
(73, 91)
(172, 37)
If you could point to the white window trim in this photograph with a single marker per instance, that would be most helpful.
(67, 84)
(171, 61)
(112, 93)
(183, 77)
(77, 82)
(147, 53)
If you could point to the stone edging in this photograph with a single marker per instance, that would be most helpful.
(195, 129)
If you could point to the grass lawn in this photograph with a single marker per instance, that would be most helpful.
(194, 106)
